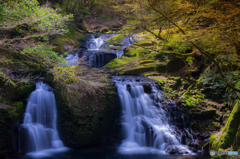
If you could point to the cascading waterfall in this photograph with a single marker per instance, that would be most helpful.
(94, 43)
(40, 121)
(96, 51)
(145, 126)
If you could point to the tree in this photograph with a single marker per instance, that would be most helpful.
(211, 27)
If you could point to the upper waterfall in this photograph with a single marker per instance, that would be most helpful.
(96, 51)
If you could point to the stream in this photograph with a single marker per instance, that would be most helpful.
(150, 128)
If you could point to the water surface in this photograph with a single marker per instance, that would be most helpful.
(112, 153)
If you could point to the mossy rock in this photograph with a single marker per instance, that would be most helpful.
(236, 143)
(115, 39)
(188, 101)
(176, 81)
(21, 91)
(130, 51)
(104, 30)
(161, 81)
(141, 62)
(231, 128)
(24, 88)
(230, 132)
(10, 114)
(139, 70)
(173, 65)
(86, 111)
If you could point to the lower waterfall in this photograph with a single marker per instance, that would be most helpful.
(145, 123)
(39, 127)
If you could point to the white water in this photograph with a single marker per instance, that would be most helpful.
(40, 123)
(94, 43)
(72, 59)
(145, 126)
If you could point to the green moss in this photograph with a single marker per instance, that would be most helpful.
(160, 81)
(236, 143)
(151, 74)
(115, 39)
(140, 69)
(230, 130)
(189, 101)
(105, 30)
(120, 62)
(24, 88)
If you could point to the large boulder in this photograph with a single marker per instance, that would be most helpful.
(88, 108)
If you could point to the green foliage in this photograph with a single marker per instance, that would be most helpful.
(23, 25)
(115, 39)
(41, 19)
(45, 55)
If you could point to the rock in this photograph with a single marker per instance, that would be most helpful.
(145, 62)
(129, 51)
(171, 149)
(104, 30)
(112, 47)
(183, 140)
(206, 140)
(102, 58)
(139, 70)
(88, 117)
(116, 27)
(119, 44)
(173, 65)
(147, 88)
(21, 91)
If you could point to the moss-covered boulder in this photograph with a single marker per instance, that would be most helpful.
(236, 143)
(10, 113)
(88, 106)
(229, 135)
(170, 64)
(21, 91)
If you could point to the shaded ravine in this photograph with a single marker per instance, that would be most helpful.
(38, 133)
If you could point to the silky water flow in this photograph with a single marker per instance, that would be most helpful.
(40, 123)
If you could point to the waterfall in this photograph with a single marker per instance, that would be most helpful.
(72, 58)
(96, 52)
(40, 121)
(94, 43)
(145, 125)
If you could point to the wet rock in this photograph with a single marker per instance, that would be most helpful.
(116, 27)
(206, 140)
(112, 47)
(171, 149)
(104, 30)
(119, 44)
(183, 140)
(147, 88)
(129, 88)
(203, 136)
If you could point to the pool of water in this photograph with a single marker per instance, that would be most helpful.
(108, 153)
